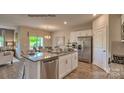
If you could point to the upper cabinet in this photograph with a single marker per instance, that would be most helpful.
(74, 35)
(84, 33)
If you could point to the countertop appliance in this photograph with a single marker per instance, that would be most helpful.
(49, 69)
(85, 49)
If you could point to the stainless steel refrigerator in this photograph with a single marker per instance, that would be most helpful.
(85, 49)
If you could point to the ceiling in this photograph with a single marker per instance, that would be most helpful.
(50, 23)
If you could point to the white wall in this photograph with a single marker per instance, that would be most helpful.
(115, 27)
(116, 46)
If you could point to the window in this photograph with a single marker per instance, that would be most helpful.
(1, 41)
(35, 41)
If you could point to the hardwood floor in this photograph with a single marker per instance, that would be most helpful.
(87, 71)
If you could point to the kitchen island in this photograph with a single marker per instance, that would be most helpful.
(46, 65)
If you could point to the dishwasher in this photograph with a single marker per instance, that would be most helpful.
(49, 68)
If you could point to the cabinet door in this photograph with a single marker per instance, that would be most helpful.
(74, 60)
(84, 33)
(68, 63)
(73, 37)
(62, 66)
(89, 32)
(81, 33)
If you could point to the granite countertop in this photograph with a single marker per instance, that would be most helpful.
(45, 56)
(41, 56)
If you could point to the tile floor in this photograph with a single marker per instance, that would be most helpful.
(87, 71)
(90, 71)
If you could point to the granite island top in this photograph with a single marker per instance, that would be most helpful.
(45, 56)
(40, 56)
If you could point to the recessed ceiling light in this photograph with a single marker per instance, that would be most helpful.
(65, 22)
(94, 14)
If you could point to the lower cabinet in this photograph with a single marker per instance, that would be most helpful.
(62, 66)
(74, 60)
(67, 63)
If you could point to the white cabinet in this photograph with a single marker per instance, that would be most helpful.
(67, 63)
(62, 66)
(74, 60)
(89, 33)
(84, 33)
(74, 35)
